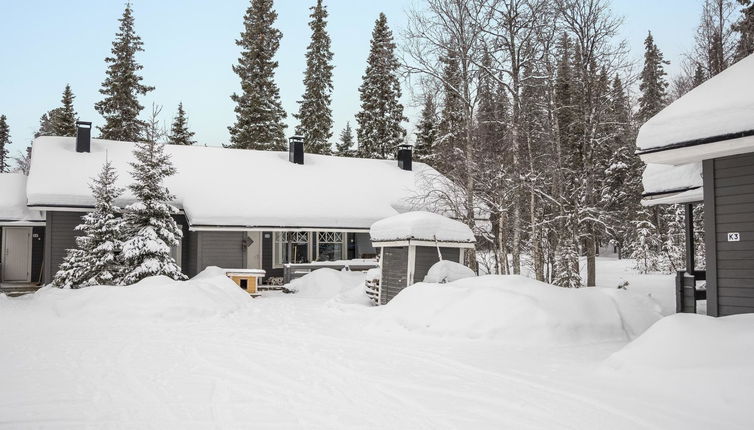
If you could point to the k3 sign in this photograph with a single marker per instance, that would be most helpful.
(734, 237)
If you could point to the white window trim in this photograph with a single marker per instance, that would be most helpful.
(343, 245)
(276, 246)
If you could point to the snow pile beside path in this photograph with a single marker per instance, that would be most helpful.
(420, 225)
(690, 341)
(520, 310)
(447, 271)
(208, 294)
(326, 283)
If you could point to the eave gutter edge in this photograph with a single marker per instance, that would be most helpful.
(697, 142)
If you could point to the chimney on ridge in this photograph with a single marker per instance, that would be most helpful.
(83, 136)
(296, 149)
(405, 156)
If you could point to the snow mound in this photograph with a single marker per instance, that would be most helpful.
(420, 225)
(208, 294)
(688, 341)
(447, 271)
(326, 283)
(521, 311)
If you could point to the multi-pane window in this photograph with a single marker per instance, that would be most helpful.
(290, 247)
(329, 246)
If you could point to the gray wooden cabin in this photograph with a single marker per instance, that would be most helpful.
(712, 125)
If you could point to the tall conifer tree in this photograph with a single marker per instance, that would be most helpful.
(123, 86)
(64, 121)
(379, 128)
(149, 225)
(4, 143)
(426, 131)
(345, 148)
(259, 113)
(745, 29)
(315, 114)
(653, 85)
(179, 132)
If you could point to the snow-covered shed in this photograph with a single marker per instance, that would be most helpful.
(238, 208)
(701, 148)
(411, 243)
(21, 232)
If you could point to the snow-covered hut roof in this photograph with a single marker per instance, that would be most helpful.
(13, 209)
(667, 184)
(233, 188)
(715, 119)
(420, 225)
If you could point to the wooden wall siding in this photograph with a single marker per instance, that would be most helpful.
(220, 248)
(270, 272)
(394, 268)
(37, 253)
(60, 235)
(732, 210)
(190, 253)
(426, 256)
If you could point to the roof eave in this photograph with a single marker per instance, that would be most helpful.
(700, 149)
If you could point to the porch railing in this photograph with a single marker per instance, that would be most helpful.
(293, 271)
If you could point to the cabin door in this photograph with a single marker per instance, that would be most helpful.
(16, 257)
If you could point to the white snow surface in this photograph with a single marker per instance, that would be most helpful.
(673, 180)
(721, 105)
(420, 225)
(518, 310)
(447, 271)
(289, 361)
(13, 200)
(234, 187)
(326, 283)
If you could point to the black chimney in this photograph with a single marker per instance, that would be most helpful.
(404, 156)
(83, 136)
(296, 149)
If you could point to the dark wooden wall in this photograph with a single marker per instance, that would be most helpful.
(426, 256)
(394, 271)
(729, 208)
(60, 236)
(220, 248)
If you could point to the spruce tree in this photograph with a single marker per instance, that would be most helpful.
(95, 261)
(653, 85)
(379, 128)
(179, 132)
(451, 129)
(64, 119)
(745, 29)
(150, 229)
(259, 113)
(345, 148)
(47, 123)
(122, 86)
(4, 144)
(426, 132)
(315, 114)
(698, 77)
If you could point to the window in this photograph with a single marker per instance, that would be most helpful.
(290, 247)
(330, 246)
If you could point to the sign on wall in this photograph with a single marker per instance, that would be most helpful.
(734, 237)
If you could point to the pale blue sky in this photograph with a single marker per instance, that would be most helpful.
(189, 50)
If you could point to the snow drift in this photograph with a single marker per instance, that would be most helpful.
(326, 283)
(447, 271)
(519, 310)
(420, 225)
(691, 341)
(208, 294)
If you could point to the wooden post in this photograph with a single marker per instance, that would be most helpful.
(690, 263)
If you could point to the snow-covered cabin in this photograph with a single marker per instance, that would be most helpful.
(411, 243)
(21, 232)
(701, 149)
(238, 208)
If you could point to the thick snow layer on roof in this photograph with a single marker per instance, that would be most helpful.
(420, 225)
(13, 200)
(722, 105)
(231, 187)
(666, 179)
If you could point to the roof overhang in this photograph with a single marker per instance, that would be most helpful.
(276, 228)
(701, 149)
(415, 242)
(692, 195)
(13, 223)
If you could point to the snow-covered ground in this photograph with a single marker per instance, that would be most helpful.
(199, 355)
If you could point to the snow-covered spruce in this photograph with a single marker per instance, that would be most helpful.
(96, 260)
(149, 225)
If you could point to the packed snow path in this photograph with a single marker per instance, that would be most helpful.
(291, 362)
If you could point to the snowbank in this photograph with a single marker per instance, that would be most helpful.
(13, 200)
(420, 225)
(519, 310)
(447, 271)
(688, 341)
(326, 283)
(208, 294)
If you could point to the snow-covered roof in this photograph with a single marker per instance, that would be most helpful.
(234, 188)
(714, 119)
(420, 225)
(666, 184)
(13, 210)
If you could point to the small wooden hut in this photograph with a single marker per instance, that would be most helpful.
(410, 243)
